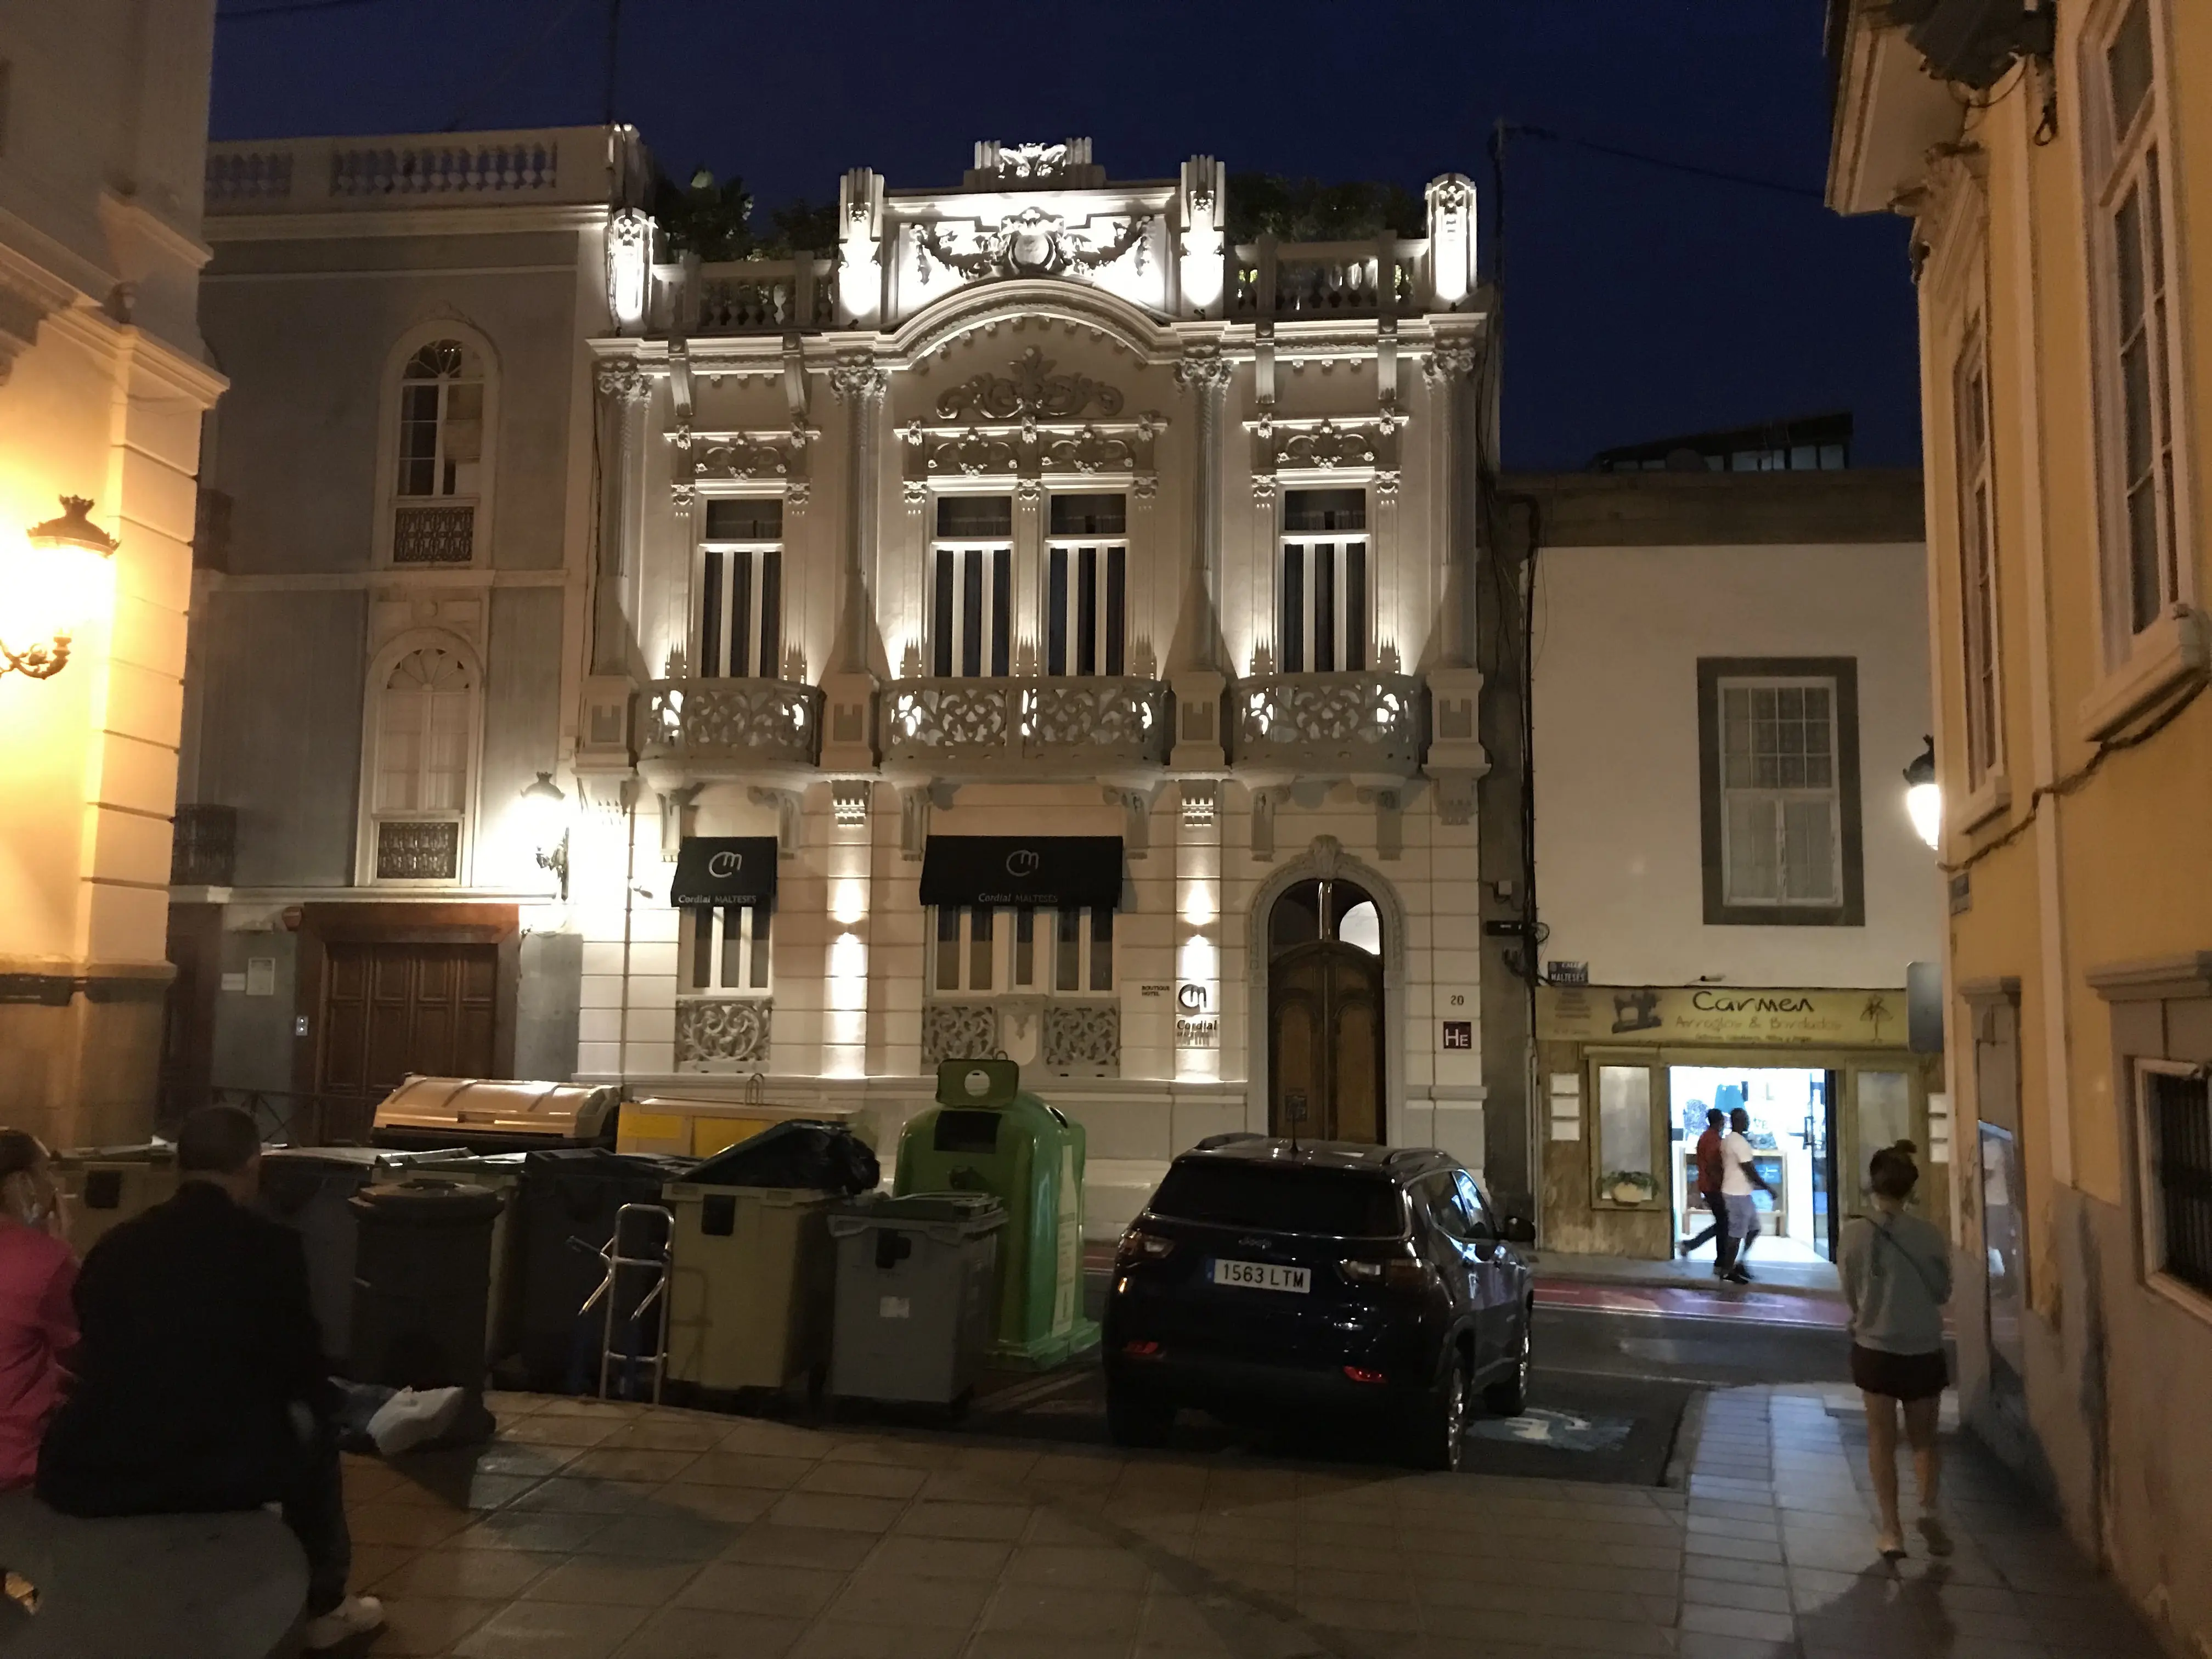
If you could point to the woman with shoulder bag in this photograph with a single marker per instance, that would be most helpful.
(1896, 1270)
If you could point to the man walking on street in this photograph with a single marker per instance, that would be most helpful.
(1740, 1180)
(1711, 1173)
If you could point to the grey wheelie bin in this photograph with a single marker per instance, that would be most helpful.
(916, 1294)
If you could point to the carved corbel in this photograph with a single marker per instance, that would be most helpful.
(914, 822)
(786, 802)
(1265, 805)
(1390, 806)
(1136, 818)
(1327, 857)
(675, 818)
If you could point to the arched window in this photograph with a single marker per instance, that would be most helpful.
(438, 480)
(425, 736)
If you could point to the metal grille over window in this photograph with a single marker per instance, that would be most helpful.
(1778, 790)
(440, 456)
(1323, 614)
(418, 850)
(971, 617)
(741, 590)
(2180, 1134)
(1086, 586)
(425, 725)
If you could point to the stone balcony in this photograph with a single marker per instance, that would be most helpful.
(706, 727)
(561, 167)
(1347, 725)
(1084, 728)
(743, 296)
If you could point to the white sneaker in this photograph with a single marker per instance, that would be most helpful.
(355, 1616)
(412, 1418)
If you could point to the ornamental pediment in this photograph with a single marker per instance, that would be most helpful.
(1358, 446)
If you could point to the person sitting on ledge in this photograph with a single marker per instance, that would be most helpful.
(200, 1381)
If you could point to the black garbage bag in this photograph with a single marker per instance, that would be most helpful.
(824, 1157)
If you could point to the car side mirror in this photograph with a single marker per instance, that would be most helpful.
(1519, 1230)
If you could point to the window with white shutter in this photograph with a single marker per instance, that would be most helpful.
(1780, 792)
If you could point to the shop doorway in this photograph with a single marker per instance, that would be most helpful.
(1793, 1138)
(1325, 1013)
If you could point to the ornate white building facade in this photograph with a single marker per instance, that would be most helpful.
(1044, 628)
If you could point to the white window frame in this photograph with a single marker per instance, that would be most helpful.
(756, 924)
(2149, 1207)
(1004, 566)
(764, 634)
(1783, 796)
(1349, 640)
(1004, 961)
(371, 815)
(2118, 164)
(1104, 547)
(1981, 633)
(389, 500)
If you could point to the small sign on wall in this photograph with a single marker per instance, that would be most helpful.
(261, 976)
(1458, 1034)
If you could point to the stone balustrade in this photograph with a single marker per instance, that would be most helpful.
(763, 722)
(1080, 724)
(1346, 722)
(744, 296)
(1274, 279)
(557, 165)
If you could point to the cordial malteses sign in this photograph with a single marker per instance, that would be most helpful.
(1043, 872)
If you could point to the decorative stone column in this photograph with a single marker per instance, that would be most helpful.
(1194, 668)
(1455, 757)
(624, 390)
(849, 687)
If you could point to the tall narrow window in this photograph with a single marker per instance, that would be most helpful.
(1087, 556)
(424, 732)
(2176, 1136)
(440, 480)
(1978, 575)
(2139, 399)
(1056, 952)
(1778, 753)
(971, 616)
(726, 947)
(741, 590)
(1323, 616)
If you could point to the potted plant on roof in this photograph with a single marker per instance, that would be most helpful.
(1631, 1186)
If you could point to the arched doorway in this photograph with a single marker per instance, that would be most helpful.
(1325, 1013)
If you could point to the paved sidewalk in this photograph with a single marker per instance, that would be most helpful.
(1815, 1278)
(592, 1529)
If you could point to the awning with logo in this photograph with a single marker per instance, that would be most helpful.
(1048, 872)
(724, 869)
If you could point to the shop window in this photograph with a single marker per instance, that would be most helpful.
(1779, 755)
(2174, 1131)
(724, 947)
(1323, 609)
(741, 590)
(971, 610)
(1086, 582)
(1629, 1130)
(978, 948)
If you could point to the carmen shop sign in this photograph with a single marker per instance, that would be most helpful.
(1720, 1014)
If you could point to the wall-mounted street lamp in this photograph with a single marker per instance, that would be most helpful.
(547, 803)
(1924, 796)
(60, 582)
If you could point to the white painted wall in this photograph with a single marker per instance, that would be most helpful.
(1619, 634)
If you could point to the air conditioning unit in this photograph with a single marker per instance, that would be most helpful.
(1974, 42)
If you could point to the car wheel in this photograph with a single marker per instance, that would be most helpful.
(1137, 1419)
(1438, 1433)
(1508, 1395)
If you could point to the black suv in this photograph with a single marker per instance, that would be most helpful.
(1262, 1271)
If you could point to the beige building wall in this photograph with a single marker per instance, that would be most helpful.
(103, 382)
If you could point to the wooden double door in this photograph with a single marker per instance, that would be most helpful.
(1325, 1043)
(389, 1009)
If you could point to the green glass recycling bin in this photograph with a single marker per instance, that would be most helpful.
(985, 1134)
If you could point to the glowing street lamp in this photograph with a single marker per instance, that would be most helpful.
(61, 580)
(1924, 796)
(547, 803)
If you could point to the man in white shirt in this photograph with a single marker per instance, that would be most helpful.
(1739, 1180)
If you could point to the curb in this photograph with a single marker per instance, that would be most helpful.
(1564, 1267)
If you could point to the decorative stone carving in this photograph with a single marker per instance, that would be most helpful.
(1355, 722)
(1327, 854)
(1136, 818)
(623, 381)
(1266, 803)
(956, 1030)
(723, 1031)
(1328, 444)
(1199, 802)
(849, 801)
(1448, 362)
(1032, 389)
(1084, 722)
(1091, 451)
(1034, 164)
(1034, 243)
(1389, 820)
(752, 456)
(733, 720)
(1082, 1039)
(1201, 370)
(855, 378)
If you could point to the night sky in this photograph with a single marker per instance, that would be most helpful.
(1641, 302)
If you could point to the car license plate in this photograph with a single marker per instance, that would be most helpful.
(1262, 1276)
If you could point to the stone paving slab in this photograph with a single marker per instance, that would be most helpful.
(592, 1531)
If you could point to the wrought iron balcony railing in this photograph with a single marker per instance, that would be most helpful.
(1327, 722)
(1081, 723)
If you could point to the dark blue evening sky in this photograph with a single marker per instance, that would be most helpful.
(1641, 302)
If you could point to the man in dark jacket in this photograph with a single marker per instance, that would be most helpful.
(201, 1383)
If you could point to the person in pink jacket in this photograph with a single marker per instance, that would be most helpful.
(37, 1323)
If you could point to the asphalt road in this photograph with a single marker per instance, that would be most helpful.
(1606, 1402)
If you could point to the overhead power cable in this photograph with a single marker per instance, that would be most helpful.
(288, 7)
(1669, 163)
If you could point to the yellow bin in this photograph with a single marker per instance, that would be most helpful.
(752, 1273)
(684, 1127)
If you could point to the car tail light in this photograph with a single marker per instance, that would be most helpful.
(1137, 1246)
(1361, 1374)
(1141, 1350)
(1398, 1272)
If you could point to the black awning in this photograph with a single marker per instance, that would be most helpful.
(1048, 872)
(724, 869)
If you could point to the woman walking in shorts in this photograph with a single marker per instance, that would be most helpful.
(1896, 1270)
